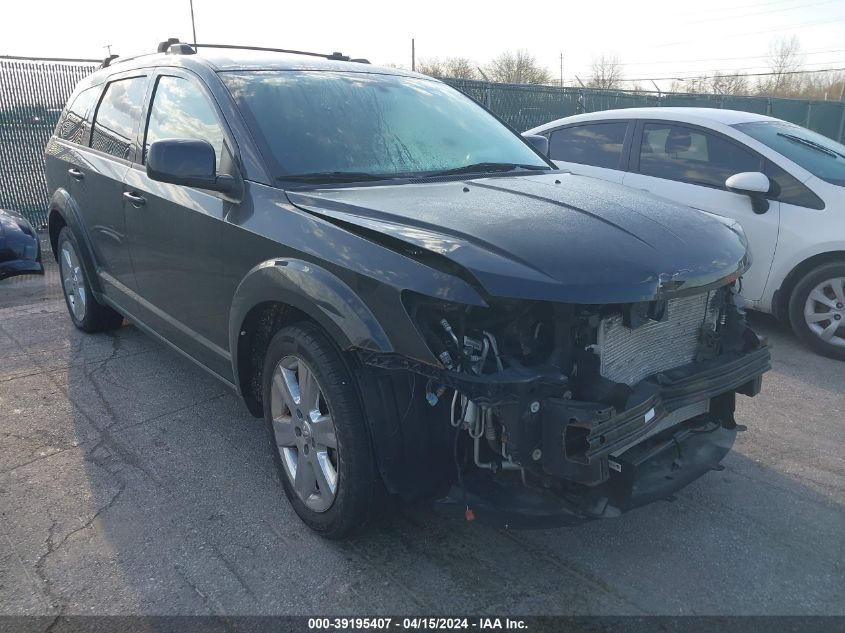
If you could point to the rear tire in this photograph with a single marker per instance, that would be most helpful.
(318, 432)
(87, 314)
(817, 310)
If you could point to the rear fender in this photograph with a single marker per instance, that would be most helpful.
(63, 205)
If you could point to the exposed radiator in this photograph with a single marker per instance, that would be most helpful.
(628, 356)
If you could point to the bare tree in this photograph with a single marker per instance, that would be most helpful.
(828, 85)
(730, 84)
(461, 68)
(785, 58)
(431, 66)
(606, 72)
(457, 67)
(519, 67)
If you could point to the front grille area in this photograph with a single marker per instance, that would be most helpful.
(628, 356)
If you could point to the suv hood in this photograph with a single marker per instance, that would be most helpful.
(552, 237)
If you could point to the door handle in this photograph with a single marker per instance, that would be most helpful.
(135, 199)
(75, 173)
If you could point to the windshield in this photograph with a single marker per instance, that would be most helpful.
(821, 156)
(325, 125)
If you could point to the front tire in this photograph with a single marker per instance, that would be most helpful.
(817, 310)
(318, 433)
(87, 314)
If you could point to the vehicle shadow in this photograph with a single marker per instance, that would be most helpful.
(142, 486)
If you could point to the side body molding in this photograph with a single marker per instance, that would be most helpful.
(314, 291)
(64, 204)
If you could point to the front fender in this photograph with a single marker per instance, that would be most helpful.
(63, 204)
(314, 291)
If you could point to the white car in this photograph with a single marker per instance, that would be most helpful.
(783, 183)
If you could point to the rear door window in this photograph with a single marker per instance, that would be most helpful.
(596, 144)
(117, 117)
(180, 109)
(692, 155)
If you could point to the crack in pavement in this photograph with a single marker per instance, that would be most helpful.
(53, 547)
(35, 586)
(214, 608)
(68, 366)
(106, 440)
(41, 457)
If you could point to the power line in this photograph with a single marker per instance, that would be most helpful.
(729, 75)
(781, 28)
(756, 13)
(725, 59)
(736, 8)
(733, 71)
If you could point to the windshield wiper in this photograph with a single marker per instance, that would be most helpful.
(812, 144)
(478, 168)
(334, 176)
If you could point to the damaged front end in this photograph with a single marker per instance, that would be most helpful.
(548, 414)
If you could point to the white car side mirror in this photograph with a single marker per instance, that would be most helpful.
(748, 182)
(753, 184)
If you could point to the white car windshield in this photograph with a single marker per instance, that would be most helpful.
(820, 155)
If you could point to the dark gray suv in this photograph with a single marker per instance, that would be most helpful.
(410, 294)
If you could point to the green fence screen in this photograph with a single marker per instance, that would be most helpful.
(524, 107)
(34, 91)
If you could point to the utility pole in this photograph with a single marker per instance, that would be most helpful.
(413, 56)
(193, 24)
(561, 69)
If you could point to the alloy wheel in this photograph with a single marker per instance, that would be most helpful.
(824, 311)
(305, 433)
(73, 280)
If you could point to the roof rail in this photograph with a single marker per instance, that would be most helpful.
(172, 46)
(163, 46)
(334, 56)
(108, 60)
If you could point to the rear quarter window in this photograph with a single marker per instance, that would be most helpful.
(76, 121)
(598, 144)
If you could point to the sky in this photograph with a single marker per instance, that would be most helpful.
(653, 39)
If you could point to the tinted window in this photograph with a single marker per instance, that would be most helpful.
(599, 145)
(680, 153)
(789, 189)
(821, 156)
(119, 111)
(77, 119)
(181, 110)
(320, 122)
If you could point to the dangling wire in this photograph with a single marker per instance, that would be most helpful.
(469, 514)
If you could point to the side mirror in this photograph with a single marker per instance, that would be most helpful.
(538, 142)
(187, 162)
(753, 184)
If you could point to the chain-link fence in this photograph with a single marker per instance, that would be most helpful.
(32, 95)
(34, 91)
